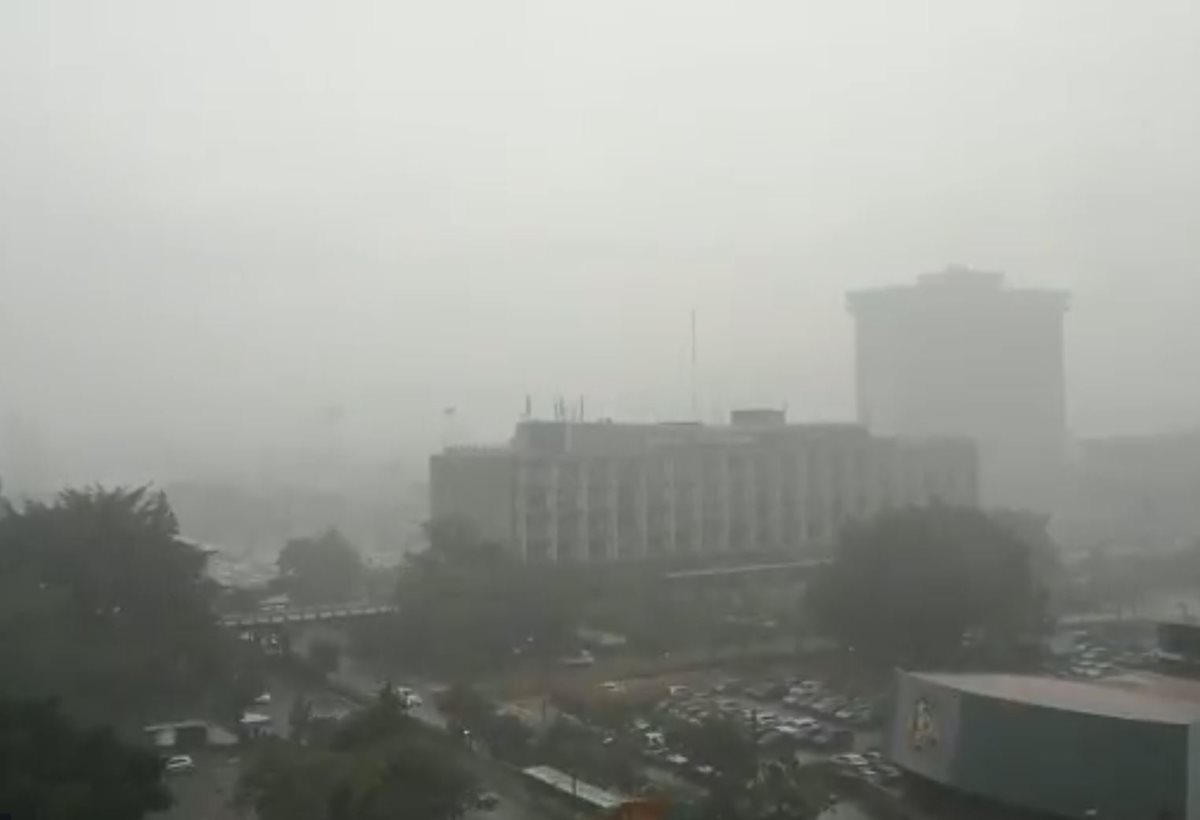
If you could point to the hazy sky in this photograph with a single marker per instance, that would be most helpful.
(220, 218)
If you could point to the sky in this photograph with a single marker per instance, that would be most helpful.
(230, 229)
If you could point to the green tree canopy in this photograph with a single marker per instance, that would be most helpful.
(52, 770)
(324, 569)
(466, 606)
(380, 765)
(102, 603)
(908, 585)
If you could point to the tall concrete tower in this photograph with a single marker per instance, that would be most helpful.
(962, 353)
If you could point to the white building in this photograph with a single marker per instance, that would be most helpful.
(600, 491)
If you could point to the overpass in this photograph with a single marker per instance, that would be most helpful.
(305, 614)
(746, 570)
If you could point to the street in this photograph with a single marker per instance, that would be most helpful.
(207, 792)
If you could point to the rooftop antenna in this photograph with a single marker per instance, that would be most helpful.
(695, 403)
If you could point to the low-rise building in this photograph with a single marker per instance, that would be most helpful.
(1123, 747)
(566, 491)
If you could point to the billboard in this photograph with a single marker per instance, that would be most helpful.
(923, 736)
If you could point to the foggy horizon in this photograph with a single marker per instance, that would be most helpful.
(231, 231)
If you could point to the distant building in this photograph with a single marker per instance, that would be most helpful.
(1123, 748)
(1135, 492)
(566, 491)
(960, 353)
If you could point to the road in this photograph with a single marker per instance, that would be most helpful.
(517, 801)
(207, 792)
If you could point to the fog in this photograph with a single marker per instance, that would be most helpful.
(233, 229)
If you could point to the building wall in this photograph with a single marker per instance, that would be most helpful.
(1136, 491)
(605, 492)
(923, 736)
(960, 354)
(1049, 760)
(476, 485)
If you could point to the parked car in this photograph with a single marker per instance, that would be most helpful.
(487, 801)
(179, 764)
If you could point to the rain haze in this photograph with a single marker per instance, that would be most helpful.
(228, 229)
(544, 409)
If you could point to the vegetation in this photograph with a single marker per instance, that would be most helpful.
(102, 604)
(53, 771)
(325, 656)
(909, 586)
(466, 607)
(321, 570)
(378, 766)
(473, 716)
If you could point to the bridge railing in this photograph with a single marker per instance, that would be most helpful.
(328, 612)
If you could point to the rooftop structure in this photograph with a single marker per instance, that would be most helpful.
(1130, 697)
(573, 787)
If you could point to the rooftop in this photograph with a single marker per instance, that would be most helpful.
(1140, 696)
(565, 783)
(955, 285)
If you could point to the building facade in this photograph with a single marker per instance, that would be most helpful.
(1122, 748)
(1138, 492)
(583, 492)
(960, 353)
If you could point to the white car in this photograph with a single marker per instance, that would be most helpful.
(408, 697)
(857, 761)
(263, 699)
(180, 763)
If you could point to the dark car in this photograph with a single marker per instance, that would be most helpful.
(487, 801)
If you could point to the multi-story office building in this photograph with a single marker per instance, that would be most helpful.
(599, 491)
(962, 354)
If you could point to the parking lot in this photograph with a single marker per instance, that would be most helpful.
(801, 719)
(796, 719)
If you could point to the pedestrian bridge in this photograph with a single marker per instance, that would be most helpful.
(306, 614)
(747, 570)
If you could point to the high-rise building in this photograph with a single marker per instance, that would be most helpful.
(961, 353)
(569, 491)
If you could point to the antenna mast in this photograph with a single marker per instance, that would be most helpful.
(695, 403)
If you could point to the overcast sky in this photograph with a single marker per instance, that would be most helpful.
(220, 219)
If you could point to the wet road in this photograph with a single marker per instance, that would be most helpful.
(206, 793)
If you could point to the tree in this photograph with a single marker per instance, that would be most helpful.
(324, 569)
(467, 606)
(378, 766)
(326, 656)
(103, 604)
(908, 585)
(504, 735)
(52, 770)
